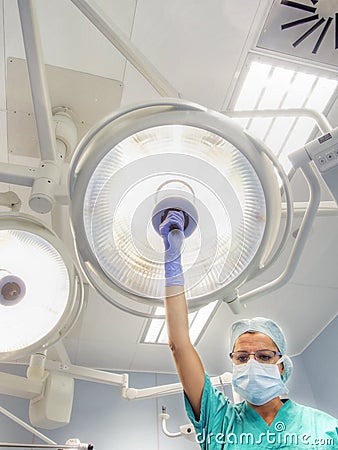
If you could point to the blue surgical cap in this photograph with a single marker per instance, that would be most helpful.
(268, 327)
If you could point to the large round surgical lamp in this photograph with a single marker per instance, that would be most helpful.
(41, 294)
(143, 160)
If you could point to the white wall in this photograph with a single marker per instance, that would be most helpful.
(300, 389)
(321, 364)
(315, 380)
(9, 431)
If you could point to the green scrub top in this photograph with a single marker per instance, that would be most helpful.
(224, 425)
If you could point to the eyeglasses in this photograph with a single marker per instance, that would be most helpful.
(262, 356)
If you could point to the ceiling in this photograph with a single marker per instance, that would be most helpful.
(200, 48)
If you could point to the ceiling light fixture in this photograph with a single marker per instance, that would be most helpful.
(273, 99)
(146, 156)
(40, 293)
(156, 332)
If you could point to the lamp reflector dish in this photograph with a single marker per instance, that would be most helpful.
(131, 167)
(46, 299)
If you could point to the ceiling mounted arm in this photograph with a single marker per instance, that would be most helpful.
(57, 134)
(321, 121)
(298, 246)
(38, 80)
(322, 154)
(126, 47)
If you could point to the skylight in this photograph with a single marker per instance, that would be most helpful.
(273, 86)
(156, 331)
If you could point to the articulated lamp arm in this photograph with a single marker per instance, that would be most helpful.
(320, 153)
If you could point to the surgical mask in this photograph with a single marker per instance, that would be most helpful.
(258, 383)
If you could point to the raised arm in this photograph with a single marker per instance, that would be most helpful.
(188, 363)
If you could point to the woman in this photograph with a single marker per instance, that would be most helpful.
(260, 370)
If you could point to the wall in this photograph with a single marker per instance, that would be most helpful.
(10, 431)
(315, 380)
(300, 389)
(321, 364)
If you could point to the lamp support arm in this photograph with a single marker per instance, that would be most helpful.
(20, 386)
(128, 393)
(322, 123)
(17, 174)
(31, 388)
(38, 80)
(299, 244)
(126, 47)
(57, 133)
(87, 374)
(164, 417)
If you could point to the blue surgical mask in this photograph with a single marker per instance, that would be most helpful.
(258, 383)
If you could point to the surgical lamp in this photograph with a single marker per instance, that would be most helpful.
(143, 160)
(40, 293)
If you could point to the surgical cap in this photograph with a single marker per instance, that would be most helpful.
(268, 327)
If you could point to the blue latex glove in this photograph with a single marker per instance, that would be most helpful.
(172, 232)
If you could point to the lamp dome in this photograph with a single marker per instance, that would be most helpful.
(151, 153)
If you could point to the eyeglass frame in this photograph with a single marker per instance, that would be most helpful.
(276, 353)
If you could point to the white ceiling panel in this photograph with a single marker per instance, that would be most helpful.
(3, 137)
(87, 97)
(195, 45)
(69, 39)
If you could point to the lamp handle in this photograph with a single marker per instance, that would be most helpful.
(161, 186)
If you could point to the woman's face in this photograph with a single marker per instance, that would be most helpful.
(252, 341)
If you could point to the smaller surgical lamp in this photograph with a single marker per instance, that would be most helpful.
(41, 293)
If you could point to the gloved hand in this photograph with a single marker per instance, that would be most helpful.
(172, 232)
